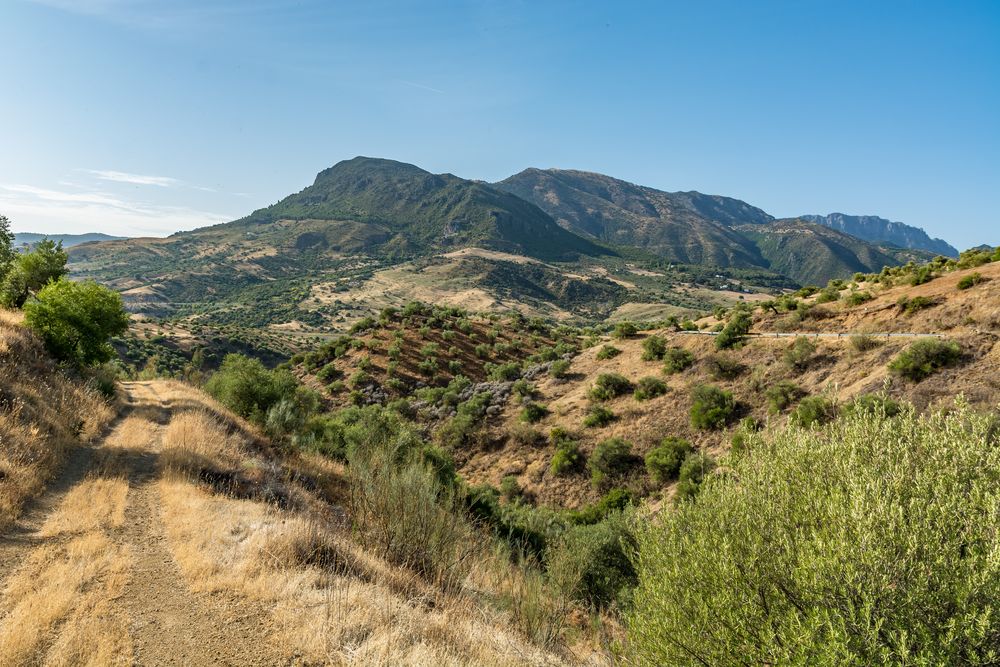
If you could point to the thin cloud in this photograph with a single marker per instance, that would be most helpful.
(134, 179)
(34, 209)
(414, 84)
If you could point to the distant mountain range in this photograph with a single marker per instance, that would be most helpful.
(22, 239)
(370, 232)
(880, 230)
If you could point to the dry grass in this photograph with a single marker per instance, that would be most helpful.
(43, 414)
(330, 601)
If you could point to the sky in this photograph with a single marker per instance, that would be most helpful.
(145, 117)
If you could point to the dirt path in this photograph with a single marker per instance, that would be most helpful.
(161, 622)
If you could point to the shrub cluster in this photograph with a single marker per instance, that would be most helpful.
(608, 386)
(711, 407)
(925, 357)
(676, 360)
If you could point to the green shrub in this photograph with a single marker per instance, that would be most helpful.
(677, 359)
(608, 386)
(611, 458)
(799, 354)
(523, 388)
(874, 404)
(597, 416)
(534, 412)
(723, 367)
(362, 325)
(857, 545)
(711, 407)
(243, 385)
(732, 334)
(27, 273)
(653, 348)
(970, 280)
(910, 306)
(624, 330)
(526, 435)
(567, 458)
(828, 295)
(559, 368)
(510, 488)
(663, 462)
(694, 469)
(813, 410)
(925, 357)
(328, 373)
(592, 564)
(922, 275)
(504, 372)
(858, 298)
(608, 352)
(649, 387)
(782, 395)
(76, 320)
(614, 501)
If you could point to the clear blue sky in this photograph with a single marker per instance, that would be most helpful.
(147, 116)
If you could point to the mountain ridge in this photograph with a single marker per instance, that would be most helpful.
(880, 230)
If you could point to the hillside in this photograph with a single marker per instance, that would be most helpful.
(879, 230)
(837, 369)
(178, 533)
(812, 254)
(686, 227)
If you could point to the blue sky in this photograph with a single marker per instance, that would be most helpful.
(145, 117)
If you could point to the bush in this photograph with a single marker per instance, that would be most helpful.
(875, 405)
(970, 280)
(611, 458)
(910, 306)
(608, 386)
(857, 545)
(864, 342)
(858, 298)
(922, 275)
(723, 367)
(558, 369)
(534, 412)
(624, 330)
(592, 564)
(663, 462)
(608, 352)
(244, 386)
(526, 435)
(925, 357)
(677, 359)
(30, 272)
(653, 348)
(567, 458)
(813, 410)
(782, 395)
(649, 387)
(691, 476)
(77, 320)
(504, 372)
(798, 355)
(598, 415)
(712, 407)
(828, 295)
(732, 334)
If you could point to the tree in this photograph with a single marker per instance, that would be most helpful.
(76, 320)
(31, 271)
(7, 253)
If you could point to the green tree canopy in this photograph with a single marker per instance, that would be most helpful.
(31, 271)
(76, 320)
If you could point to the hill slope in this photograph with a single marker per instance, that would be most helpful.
(417, 212)
(686, 227)
(879, 230)
(812, 254)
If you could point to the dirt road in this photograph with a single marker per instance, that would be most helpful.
(87, 574)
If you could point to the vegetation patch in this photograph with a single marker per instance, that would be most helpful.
(925, 357)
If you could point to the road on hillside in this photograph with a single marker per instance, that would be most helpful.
(87, 573)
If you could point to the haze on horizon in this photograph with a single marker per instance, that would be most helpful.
(148, 118)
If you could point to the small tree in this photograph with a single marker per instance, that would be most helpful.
(76, 320)
(732, 334)
(664, 461)
(712, 407)
(611, 457)
(31, 271)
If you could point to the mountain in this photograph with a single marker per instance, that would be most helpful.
(415, 211)
(687, 227)
(22, 239)
(812, 254)
(879, 230)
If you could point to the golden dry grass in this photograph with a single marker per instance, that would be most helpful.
(43, 414)
(330, 602)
